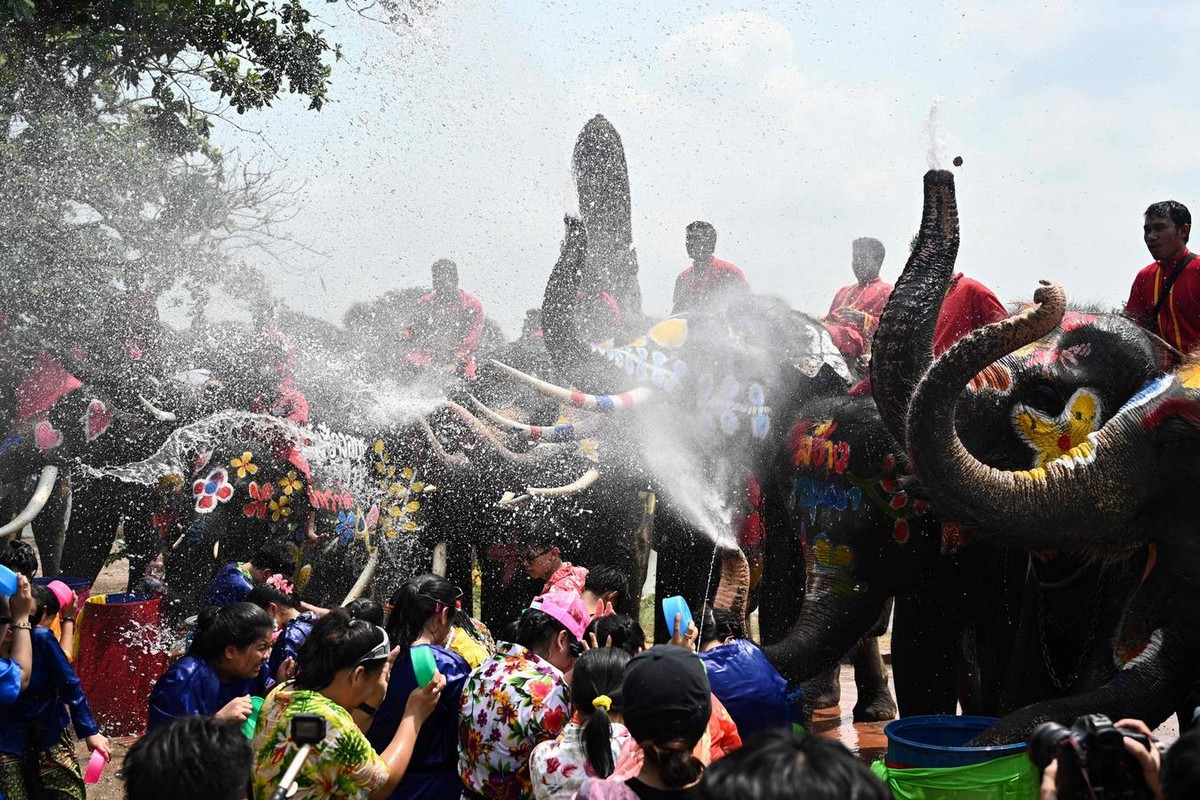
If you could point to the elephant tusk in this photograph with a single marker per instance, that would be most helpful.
(595, 402)
(41, 494)
(512, 499)
(364, 580)
(155, 411)
(574, 487)
(439, 559)
(488, 437)
(566, 432)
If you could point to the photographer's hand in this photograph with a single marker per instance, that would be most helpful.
(1149, 760)
(1049, 789)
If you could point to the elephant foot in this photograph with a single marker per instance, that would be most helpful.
(827, 689)
(879, 708)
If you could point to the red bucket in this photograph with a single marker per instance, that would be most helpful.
(119, 654)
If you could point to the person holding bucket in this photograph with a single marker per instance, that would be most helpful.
(16, 637)
(423, 612)
(35, 729)
(277, 597)
(222, 669)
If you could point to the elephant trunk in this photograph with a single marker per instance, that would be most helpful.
(733, 585)
(903, 344)
(41, 494)
(560, 304)
(828, 628)
(1085, 497)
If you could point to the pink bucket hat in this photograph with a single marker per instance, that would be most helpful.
(567, 608)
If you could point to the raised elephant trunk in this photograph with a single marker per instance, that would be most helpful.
(733, 585)
(1082, 499)
(560, 303)
(903, 344)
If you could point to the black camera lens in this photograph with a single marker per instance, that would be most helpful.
(1043, 743)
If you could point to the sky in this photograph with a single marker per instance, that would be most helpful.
(792, 127)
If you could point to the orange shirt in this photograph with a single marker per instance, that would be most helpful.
(1179, 318)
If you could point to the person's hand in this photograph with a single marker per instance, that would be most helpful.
(1049, 788)
(238, 709)
(22, 604)
(71, 610)
(286, 671)
(422, 701)
(603, 609)
(98, 741)
(684, 639)
(1149, 760)
(590, 643)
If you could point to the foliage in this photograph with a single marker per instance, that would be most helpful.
(109, 178)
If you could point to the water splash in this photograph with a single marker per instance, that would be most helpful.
(937, 142)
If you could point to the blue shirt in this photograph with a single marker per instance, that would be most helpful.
(39, 715)
(752, 691)
(10, 681)
(433, 770)
(192, 686)
(288, 644)
(230, 586)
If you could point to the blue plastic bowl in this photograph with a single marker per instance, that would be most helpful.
(937, 741)
(676, 605)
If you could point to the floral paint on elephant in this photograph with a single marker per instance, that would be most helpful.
(399, 488)
(834, 566)
(1052, 437)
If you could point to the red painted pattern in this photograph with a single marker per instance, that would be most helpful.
(577, 399)
(625, 399)
(1187, 410)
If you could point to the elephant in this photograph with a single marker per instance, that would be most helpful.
(872, 532)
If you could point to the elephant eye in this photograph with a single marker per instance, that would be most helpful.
(1045, 398)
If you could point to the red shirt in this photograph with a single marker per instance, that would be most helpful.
(851, 335)
(693, 288)
(968, 305)
(1179, 318)
(465, 324)
(567, 578)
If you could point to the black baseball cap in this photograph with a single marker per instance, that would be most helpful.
(666, 695)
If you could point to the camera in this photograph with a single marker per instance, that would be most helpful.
(308, 729)
(1092, 760)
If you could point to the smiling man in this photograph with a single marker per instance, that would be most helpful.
(1165, 297)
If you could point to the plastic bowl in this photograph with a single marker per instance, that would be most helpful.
(938, 741)
(8, 581)
(95, 767)
(256, 704)
(64, 593)
(423, 664)
(676, 605)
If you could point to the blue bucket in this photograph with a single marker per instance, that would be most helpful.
(937, 741)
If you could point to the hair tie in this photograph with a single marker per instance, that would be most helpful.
(602, 701)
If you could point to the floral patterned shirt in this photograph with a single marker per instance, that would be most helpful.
(558, 768)
(511, 702)
(343, 765)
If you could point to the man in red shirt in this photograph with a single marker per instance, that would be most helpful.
(1165, 297)
(968, 305)
(708, 276)
(453, 324)
(855, 310)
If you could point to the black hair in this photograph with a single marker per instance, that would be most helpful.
(719, 624)
(263, 594)
(598, 672)
(604, 578)
(537, 628)
(20, 558)
(546, 532)
(337, 642)
(779, 764)
(703, 228)
(46, 603)
(870, 247)
(414, 603)
(366, 609)
(189, 758)
(510, 631)
(1173, 210)
(275, 555)
(676, 763)
(1181, 767)
(239, 625)
(625, 631)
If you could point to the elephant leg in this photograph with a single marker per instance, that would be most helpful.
(685, 564)
(826, 689)
(1149, 688)
(875, 702)
(141, 539)
(95, 515)
(50, 527)
(926, 647)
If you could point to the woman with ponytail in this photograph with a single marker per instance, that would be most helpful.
(423, 612)
(667, 703)
(588, 746)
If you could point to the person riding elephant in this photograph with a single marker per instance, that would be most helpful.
(450, 327)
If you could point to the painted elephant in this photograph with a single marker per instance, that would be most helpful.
(1033, 629)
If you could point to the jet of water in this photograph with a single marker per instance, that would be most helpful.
(937, 143)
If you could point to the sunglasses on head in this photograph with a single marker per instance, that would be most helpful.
(379, 652)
